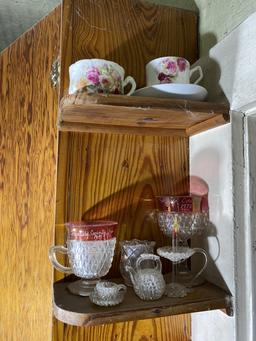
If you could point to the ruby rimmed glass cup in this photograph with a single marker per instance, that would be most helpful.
(90, 249)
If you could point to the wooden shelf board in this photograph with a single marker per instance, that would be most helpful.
(79, 311)
(139, 115)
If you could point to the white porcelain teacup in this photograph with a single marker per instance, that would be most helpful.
(99, 76)
(171, 70)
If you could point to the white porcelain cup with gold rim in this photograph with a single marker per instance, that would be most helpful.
(171, 69)
(99, 76)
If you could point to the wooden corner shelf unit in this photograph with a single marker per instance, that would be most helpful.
(143, 116)
(139, 115)
(117, 153)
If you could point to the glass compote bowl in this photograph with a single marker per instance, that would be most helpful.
(180, 226)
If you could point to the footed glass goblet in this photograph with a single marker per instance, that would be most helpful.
(177, 220)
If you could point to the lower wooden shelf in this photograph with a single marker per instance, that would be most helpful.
(79, 311)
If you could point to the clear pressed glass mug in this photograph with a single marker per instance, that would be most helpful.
(90, 249)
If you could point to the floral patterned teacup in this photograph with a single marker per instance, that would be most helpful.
(171, 70)
(99, 76)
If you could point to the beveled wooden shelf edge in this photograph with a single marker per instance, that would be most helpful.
(139, 115)
(217, 299)
(98, 128)
(82, 98)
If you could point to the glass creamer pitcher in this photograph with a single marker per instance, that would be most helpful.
(130, 252)
(148, 283)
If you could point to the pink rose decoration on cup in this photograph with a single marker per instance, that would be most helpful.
(93, 75)
(182, 64)
(169, 68)
(104, 79)
(163, 78)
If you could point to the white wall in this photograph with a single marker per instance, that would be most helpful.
(229, 70)
(211, 160)
(230, 75)
(212, 326)
(219, 17)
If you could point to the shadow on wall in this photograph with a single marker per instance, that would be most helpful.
(211, 70)
(224, 65)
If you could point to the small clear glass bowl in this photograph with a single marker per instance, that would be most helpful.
(107, 294)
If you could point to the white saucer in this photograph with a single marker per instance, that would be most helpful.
(171, 90)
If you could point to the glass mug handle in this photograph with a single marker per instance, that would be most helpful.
(149, 256)
(52, 255)
(201, 75)
(202, 252)
(131, 80)
(121, 287)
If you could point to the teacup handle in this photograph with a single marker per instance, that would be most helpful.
(203, 252)
(201, 75)
(131, 80)
(149, 256)
(52, 255)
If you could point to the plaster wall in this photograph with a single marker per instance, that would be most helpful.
(218, 18)
(17, 16)
(230, 75)
(211, 160)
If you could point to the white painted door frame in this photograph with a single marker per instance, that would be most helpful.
(244, 180)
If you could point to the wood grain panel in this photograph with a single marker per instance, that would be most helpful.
(28, 107)
(176, 328)
(116, 177)
(128, 32)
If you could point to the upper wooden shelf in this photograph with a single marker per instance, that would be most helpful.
(79, 311)
(139, 115)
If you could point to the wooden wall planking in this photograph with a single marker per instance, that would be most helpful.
(128, 32)
(28, 110)
(116, 177)
(176, 328)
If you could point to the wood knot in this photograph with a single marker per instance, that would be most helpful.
(125, 164)
(144, 120)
